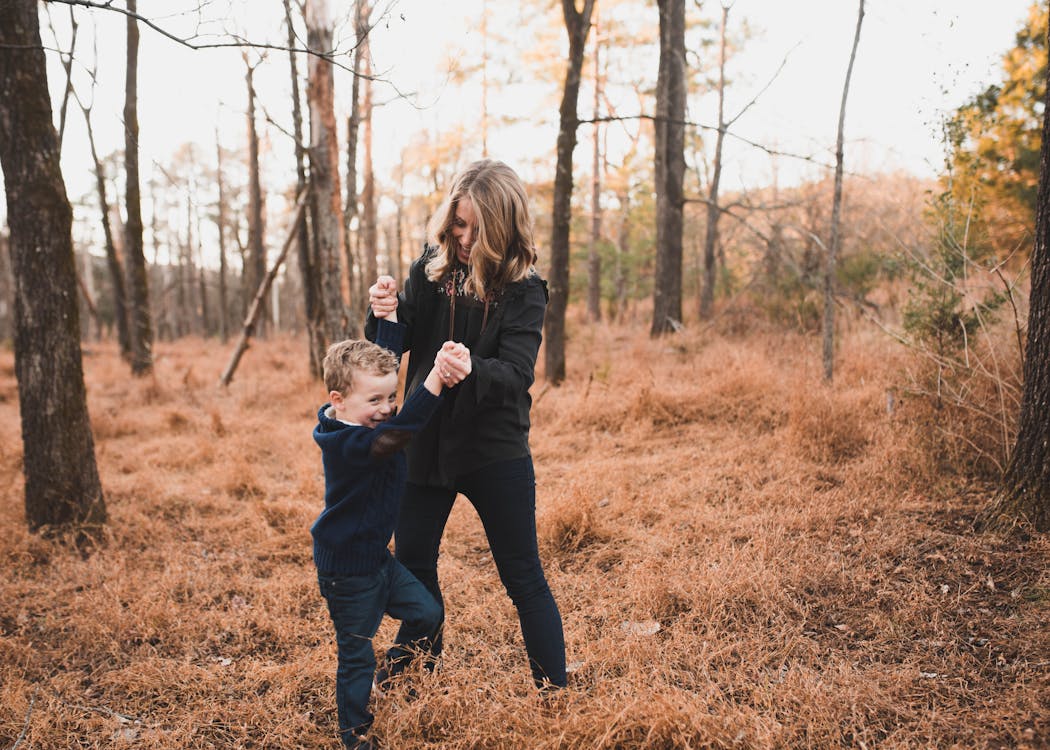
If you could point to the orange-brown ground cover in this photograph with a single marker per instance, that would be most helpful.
(811, 570)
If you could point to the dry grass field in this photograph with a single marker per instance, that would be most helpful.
(743, 557)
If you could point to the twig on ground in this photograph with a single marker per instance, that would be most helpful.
(25, 726)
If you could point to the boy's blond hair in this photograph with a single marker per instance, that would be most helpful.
(345, 358)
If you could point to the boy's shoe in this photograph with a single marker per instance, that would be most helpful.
(361, 743)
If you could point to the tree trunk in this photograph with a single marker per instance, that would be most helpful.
(577, 26)
(307, 262)
(139, 319)
(356, 278)
(1023, 496)
(256, 244)
(324, 169)
(836, 209)
(669, 165)
(116, 271)
(594, 258)
(714, 212)
(369, 220)
(220, 222)
(62, 487)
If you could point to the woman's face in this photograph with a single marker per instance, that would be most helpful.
(464, 229)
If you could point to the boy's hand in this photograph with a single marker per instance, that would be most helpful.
(453, 363)
(382, 297)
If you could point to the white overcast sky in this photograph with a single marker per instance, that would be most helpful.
(917, 59)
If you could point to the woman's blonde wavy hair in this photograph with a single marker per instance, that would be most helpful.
(504, 251)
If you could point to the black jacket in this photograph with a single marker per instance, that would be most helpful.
(485, 418)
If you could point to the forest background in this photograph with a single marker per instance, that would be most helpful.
(746, 553)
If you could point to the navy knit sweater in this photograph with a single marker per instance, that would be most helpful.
(365, 473)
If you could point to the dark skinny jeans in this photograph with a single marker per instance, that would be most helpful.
(504, 496)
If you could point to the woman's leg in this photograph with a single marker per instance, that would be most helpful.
(504, 495)
(417, 540)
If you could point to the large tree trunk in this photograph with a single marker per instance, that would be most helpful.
(577, 25)
(308, 268)
(1024, 492)
(324, 168)
(669, 164)
(139, 319)
(836, 209)
(714, 212)
(256, 244)
(62, 487)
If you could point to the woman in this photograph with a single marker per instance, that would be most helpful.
(478, 286)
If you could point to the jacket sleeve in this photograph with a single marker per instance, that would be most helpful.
(407, 303)
(390, 336)
(503, 378)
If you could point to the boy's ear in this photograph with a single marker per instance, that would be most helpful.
(335, 398)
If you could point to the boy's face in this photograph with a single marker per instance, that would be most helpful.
(371, 399)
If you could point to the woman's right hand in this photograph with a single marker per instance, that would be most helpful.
(382, 297)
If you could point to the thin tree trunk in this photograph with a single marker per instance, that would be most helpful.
(116, 271)
(714, 212)
(255, 309)
(139, 319)
(369, 220)
(307, 262)
(594, 258)
(220, 221)
(669, 165)
(836, 209)
(256, 242)
(577, 26)
(62, 487)
(324, 169)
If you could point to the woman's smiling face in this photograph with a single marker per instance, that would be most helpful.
(465, 229)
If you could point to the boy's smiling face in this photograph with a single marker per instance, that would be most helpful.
(371, 400)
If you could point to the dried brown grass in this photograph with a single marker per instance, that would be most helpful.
(808, 569)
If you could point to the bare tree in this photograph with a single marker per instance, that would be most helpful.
(369, 219)
(139, 319)
(594, 258)
(256, 269)
(308, 267)
(220, 223)
(113, 264)
(62, 487)
(324, 169)
(577, 26)
(669, 165)
(836, 209)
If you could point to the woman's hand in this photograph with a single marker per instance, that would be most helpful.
(453, 363)
(382, 298)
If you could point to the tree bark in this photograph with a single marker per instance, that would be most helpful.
(577, 26)
(669, 165)
(714, 213)
(836, 209)
(1023, 496)
(307, 261)
(369, 220)
(256, 243)
(62, 487)
(324, 169)
(139, 319)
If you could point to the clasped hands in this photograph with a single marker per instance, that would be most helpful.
(453, 359)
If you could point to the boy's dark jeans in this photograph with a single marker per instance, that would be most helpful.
(504, 496)
(356, 605)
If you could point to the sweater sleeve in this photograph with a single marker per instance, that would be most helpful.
(390, 336)
(407, 303)
(504, 377)
(391, 436)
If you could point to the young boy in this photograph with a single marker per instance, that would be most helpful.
(361, 436)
